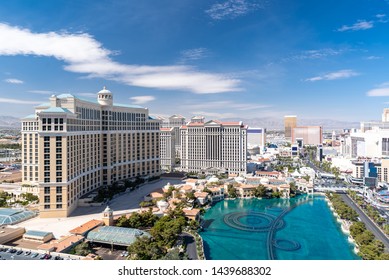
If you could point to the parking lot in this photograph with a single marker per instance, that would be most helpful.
(10, 253)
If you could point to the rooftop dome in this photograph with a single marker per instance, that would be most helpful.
(104, 97)
(105, 91)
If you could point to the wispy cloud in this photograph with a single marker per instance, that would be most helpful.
(380, 90)
(194, 54)
(18, 101)
(314, 54)
(341, 74)
(234, 8)
(142, 99)
(13, 81)
(382, 18)
(359, 25)
(226, 104)
(42, 91)
(85, 55)
(373, 57)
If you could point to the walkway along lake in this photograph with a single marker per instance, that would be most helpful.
(301, 228)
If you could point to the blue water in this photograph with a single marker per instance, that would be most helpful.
(300, 228)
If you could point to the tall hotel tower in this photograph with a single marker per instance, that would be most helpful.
(73, 146)
(214, 147)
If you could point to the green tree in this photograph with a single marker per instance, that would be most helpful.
(232, 191)
(82, 249)
(357, 228)
(260, 191)
(364, 238)
(145, 249)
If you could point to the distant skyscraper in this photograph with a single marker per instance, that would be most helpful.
(73, 146)
(214, 147)
(175, 122)
(290, 123)
(310, 135)
(385, 115)
(168, 148)
(256, 140)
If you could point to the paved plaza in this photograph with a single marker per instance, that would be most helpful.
(125, 203)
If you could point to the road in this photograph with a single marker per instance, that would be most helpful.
(128, 201)
(369, 224)
(190, 246)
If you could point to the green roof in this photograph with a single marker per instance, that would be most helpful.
(115, 235)
(56, 110)
(13, 216)
(37, 233)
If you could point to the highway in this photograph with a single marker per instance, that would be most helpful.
(369, 224)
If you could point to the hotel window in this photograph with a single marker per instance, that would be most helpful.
(47, 190)
(47, 199)
(46, 138)
(59, 206)
(59, 189)
(59, 198)
(47, 206)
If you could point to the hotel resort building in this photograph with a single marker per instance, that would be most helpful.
(214, 147)
(72, 146)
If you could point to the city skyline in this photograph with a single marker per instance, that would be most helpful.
(220, 59)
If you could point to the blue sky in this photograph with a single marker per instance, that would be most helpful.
(222, 59)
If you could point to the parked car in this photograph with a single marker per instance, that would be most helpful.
(13, 251)
(47, 257)
(27, 253)
(34, 255)
(19, 252)
(58, 258)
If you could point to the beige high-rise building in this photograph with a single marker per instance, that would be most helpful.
(73, 146)
(175, 122)
(214, 147)
(167, 148)
(385, 115)
(290, 122)
(310, 135)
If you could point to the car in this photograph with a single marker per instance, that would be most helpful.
(42, 256)
(58, 258)
(47, 257)
(19, 252)
(27, 253)
(2, 249)
(13, 251)
(34, 255)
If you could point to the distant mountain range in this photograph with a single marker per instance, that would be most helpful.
(278, 124)
(268, 123)
(9, 122)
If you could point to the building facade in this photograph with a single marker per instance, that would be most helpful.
(290, 122)
(167, 148)
(309, 135)
(256, 140)
(175, 122)
(73, 146)
(214, 147)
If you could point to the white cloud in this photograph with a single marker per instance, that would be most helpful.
(142, 99)
(378, 92)
(227, 104)
(18, 101)
(359, 25)
(14, 81)
(42, 91)
(234, 8)
(83, 54)
(342, 74)
(382, 18)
